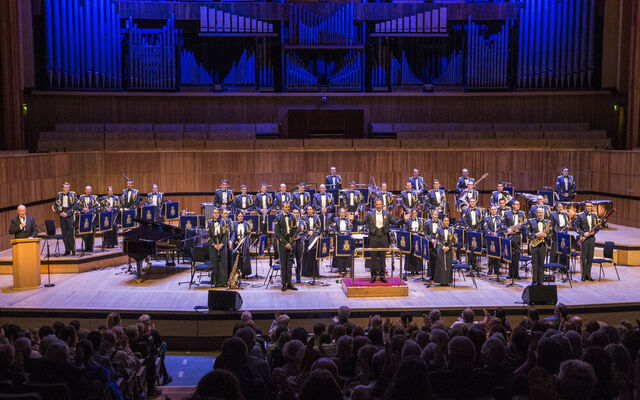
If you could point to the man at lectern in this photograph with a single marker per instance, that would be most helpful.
(22, 225)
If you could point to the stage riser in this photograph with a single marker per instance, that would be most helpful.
(207, 335)
(72, 266)
(375, 291)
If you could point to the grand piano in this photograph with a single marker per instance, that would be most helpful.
(150, 239)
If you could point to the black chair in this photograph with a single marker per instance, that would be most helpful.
(462, 270)
(48, 391)
(200, 264)
(51, 234)
(607, 253)
(575, 253)
(273, 273)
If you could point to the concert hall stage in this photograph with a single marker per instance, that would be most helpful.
(89, 296)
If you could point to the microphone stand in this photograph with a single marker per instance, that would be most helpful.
(49, 284)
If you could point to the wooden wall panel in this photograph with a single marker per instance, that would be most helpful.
(11, 76)
(48, 108)
(32, 177)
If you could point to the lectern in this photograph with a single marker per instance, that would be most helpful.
(26, 263)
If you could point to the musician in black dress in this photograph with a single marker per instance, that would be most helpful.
(585, 225)
(514, 221)
(342, 225)
(378, 221)
(493, 226)
(88, 203)
(445, 240)
(65, 206)
(472, 220)
(299, 243)
(431, 226)
(111, 202)
(414, 225)
(218, 237)
(311, 237)
(285, 231)
(538, 228)
(560, 223)
(239, 233)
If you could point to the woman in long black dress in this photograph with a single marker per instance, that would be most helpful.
(446, 240)
(309, 261)
(342, 226)
(241, 232)
(414, 225)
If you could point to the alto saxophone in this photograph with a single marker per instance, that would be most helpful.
(540, 239)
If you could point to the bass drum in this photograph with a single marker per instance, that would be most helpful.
(573, 208)
(602, 207)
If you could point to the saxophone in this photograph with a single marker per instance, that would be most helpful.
(234, 276)
(540, 239)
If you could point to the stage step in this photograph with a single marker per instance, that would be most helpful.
(364, 288)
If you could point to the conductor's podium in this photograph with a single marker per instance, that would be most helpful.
(362, 287)
(26, 263)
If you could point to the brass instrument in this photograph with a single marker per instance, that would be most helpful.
(540, 239)
(597, 226)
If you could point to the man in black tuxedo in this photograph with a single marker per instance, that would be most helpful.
(286, 230)
(585, 225)
(22, 225)
(378, 222)
(472, 219)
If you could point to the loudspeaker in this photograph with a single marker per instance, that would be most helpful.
(540, 294)
(224, 300)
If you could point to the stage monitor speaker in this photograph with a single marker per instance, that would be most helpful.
(540, 294)
(224, 300)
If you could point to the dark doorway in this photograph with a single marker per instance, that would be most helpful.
(305, 124)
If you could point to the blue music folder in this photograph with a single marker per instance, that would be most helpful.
(128, 218)
(323, 249)
(105, 221)
(505, 244)
(149, 213)
(172, 210)
(403, 240)
(493, 246)
(85, 225)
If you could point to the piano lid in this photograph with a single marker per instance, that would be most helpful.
(152, 231)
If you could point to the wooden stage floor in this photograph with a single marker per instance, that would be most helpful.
(91, 295)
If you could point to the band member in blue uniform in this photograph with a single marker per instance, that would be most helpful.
(515, 221)
(417, 182)
(281, 197)
(584, 225)
(218, 237)
(111, 202)
(431, 226)
(533, 211)
(130, 198)
(299, 243)
(463, 181)
(472, 219)
(342, 225)
(436, 198)
(243, 202)
(498, 194)
(409, 198)
(88, 203)
(492, 225)
(286, 231)
(385, 196)
(378, 222)
(560, 223)
(415, 225)
(223, 197)
(565, 186)
(503, 208)
(156, 198)
(467, 194)
(264, 205)
(446, 241)
(333, 180)
(351, 198)
(23, 226)
(301, 199)
(65, 206)
(538, 227)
